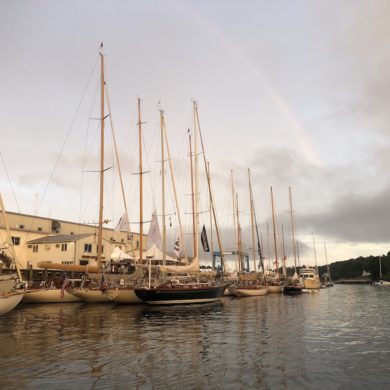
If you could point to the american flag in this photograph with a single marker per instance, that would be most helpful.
(65, 284)
(103, 284)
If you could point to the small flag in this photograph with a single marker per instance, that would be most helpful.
(203, 238)
(65, 283)
(103, 284)
(176, 248)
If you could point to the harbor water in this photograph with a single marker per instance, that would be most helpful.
(336, 338)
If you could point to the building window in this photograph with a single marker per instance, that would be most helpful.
(88, 248)
(137, 245)
(21, 226)
(39, 229)
(130, 237)
(84, 262)
(15, 240)
(64, 247)
(47, 247)
(35, 248)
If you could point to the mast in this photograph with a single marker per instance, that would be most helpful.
(140, 184)
(196, 177)
(239, 242)
(327, 264)
(102, 117)
(192, 201)
(235, 228)
(252, 220)
(274, 229)
(211, 217)
(284, 253)
(268, 248)
(380, 267)
(315, 253)
(174, 192)
(9, 239)
(210, 189)
(292, 234)
(163, 187)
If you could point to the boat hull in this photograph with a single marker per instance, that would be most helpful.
(312, 284)
(48, 296)
(9, 301)
(249, 291)
(275, 289)
(180, 295)
(292, 290)
(90, 296)
(124, 296)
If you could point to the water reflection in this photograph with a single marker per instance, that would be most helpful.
(335, 338)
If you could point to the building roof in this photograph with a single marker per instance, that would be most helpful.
(59, 238)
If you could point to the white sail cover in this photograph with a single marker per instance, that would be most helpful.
(154, 235)
(180, 269)
(118, 255)
(156, 253)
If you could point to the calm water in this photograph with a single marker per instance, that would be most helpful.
(335, 339)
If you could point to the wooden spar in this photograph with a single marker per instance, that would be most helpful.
(327, 264)
(196, 178)
(211, 216)
(68, 267)
(274, 229)
(174, 192)
(164, 231)
(192, 201)
(239, 242)
(292, 232)
(235, 229)
(252, 220)
(119, 169)
(315, 253)
(9, 239)
(102, 117)
(210, 191)
(284, 253)
(268, 248)
(141, 227)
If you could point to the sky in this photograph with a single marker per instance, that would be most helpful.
(297, 91)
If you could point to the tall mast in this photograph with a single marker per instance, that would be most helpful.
(9, 239)
(210, 189)
(211, 216)
(174, 192)
(140, 183)
(235, 227)
(192, 201)
(239, 238)
(315, 253)
(292, 234)
(163, 187)
(102, 117)
(252, 220)
(284, 253)
(274, 229)
(196, 177)
(327, 264)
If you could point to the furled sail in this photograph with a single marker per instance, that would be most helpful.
(181, 269)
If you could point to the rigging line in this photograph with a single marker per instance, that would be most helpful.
(85, 155)
(67, 134)
(9, 182)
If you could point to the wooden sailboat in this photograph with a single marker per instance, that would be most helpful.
(172, 291)
(250, 288)
(9, 299)
(98, 292)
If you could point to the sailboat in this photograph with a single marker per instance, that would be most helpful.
(274, 285)
(173, 291)
(294, 287)
(9, 298)
(250, 288)
(381, 282)
(96, 290)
